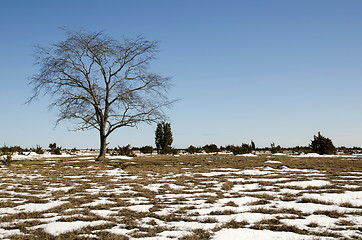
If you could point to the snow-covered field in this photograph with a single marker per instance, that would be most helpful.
(185, 197)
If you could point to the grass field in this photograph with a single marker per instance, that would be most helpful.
(182, 197)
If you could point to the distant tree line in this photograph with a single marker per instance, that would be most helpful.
(164, 138)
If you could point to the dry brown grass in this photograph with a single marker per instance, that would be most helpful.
(235, 224)
(36, 177)
(199, 234)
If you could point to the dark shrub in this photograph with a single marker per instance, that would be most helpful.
(174, 151)
(38, 149)
(124, 151)
(275, 149)
(210, 148)
(243, 149)
(54, 149)
(6, 155)
(192, 149)
(146, 149)
(322, 145)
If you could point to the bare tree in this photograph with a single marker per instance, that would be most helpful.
(101, 83)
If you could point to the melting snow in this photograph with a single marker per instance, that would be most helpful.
(251, 234)
(304, 184)
(57, 228)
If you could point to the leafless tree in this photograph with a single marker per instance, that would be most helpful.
(101, 83)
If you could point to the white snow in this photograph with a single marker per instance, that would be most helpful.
(247, 155)
(119, 157)
(39, 207)
(115, 172)
(103, 213)
(6, 233)
(243, 187)
(140, 208)
(99, 201)
(239, 201)
(192, 225)
(154, 187)
(304, 184)
(198, 201)
(57, 228)
(355, 198)
(255, 172)
(272, 161)
(120, 230)
(246, 234)
(171, 234)
(324, 156)
(64, 189)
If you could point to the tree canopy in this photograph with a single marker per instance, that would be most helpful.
(102, 83)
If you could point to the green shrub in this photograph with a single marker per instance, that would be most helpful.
(6, 154)
(38, 149)
(192, 150)
(174, 151)
(54, 149)
(300, 149)
(5, 149)
(275, 149)
(8, 159)
(210, 148)
(243, 149)
(322, 145)
(146, 149)
(346, 150)
(123, 151)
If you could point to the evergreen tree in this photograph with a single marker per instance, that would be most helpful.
(167, 137)
(322, 145)
(163, 137)
(252, 145)
(159, 137)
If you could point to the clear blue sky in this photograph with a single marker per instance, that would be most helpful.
(270, 71)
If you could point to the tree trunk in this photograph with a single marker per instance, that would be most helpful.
(103, 147)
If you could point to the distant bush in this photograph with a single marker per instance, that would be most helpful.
(54, 149)
(38, 149)
(322, 145)
(5, 149)
(123, 151)
(146, 149)
(174, 151)
(300, 149)
(210, 148)
(243, 149)
(7, 154)
(346, 150)
(275, 149)
(192, 149)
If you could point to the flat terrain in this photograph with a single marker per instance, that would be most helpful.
(182, 197)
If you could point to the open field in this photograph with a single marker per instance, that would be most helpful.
(182, 197)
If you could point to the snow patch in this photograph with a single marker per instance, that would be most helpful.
(57, 228)
(304, 184)
(246, 234)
